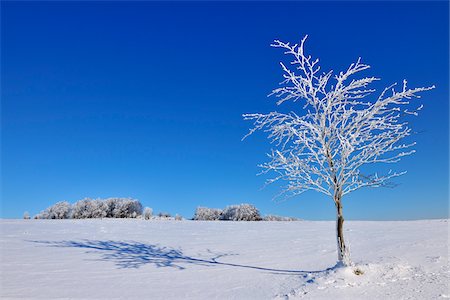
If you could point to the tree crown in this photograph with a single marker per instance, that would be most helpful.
(339, 130)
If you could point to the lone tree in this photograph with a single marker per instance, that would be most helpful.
(325, 145)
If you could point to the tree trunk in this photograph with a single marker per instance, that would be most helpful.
(343, 255)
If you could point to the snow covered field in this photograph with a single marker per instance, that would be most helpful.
(138, 259)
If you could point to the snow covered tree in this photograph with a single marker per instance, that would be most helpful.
(59, 210)
(123, 207)
(327, 144)
(26, 215)
(98, 209)
(207, 214)
(88, 208)
(148, 213)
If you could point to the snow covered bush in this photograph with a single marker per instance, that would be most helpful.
(81, 209)
(26, 215)
(127, 208)
(148, 213)
(98, 209)
(88, 208)
(123, 208)
(207, 214)
(242, 212)
(110, 206)
(60, 210)
(178, 217)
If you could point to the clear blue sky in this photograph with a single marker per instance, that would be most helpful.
(144, 100)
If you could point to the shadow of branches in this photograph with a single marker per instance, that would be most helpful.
(130, 254)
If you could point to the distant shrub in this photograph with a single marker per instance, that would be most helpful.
(26, 215)
(279, 218)
(242, 212)
(148, 213)
(60, 210)
(207, 214)
(178, 217)
(164, 215)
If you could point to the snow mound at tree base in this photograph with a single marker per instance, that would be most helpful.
(389, 280)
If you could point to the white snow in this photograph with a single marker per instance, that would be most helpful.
(141, 259)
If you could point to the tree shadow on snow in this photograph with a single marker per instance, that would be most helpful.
(135, 254)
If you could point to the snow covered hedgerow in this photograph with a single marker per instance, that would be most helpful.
(207, 214)
(242, 212)
(279, 218)
(60, 210)
(148, 213)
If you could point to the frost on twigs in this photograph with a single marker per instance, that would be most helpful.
(339, 128)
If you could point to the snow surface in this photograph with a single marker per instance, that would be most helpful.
(140, 259)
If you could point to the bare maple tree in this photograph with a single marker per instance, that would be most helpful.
(338, 130)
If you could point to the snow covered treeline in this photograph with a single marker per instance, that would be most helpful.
(88, 208)
(95, 208)
(242, 212)
(279, 218)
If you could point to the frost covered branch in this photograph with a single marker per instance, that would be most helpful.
(325, 145)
